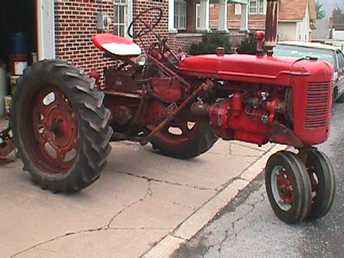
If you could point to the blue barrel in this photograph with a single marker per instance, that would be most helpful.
(18, 43)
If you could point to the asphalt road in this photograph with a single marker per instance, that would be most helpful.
(247, 227)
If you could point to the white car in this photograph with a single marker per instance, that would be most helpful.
(328, 53)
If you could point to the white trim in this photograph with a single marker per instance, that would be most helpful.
(198, 8)
(130, 13)
(204, 26)
(171, 27)
(244, 17)
(123, 49)
(223, 16)
(45, 29)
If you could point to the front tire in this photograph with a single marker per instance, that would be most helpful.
(288, 187)
(60, 127)
(323, 183)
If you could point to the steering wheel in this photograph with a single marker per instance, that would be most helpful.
(155, 12)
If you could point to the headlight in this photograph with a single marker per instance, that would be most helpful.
(141, 60)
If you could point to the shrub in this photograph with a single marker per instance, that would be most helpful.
(248, 46)
(211, 41)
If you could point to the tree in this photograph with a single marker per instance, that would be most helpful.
(321, 13)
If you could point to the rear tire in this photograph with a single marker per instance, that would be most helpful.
(199, 140)
(72, 119)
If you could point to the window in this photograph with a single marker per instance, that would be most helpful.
(257, 6)
(180, 14)
(341, 60)
(300, 52)
(121, 17)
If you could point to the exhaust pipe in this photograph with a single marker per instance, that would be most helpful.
(271, 25)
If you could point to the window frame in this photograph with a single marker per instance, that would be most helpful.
(260, 8)
(117, 24)
(180, 15)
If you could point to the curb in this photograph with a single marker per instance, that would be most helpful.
(192, 225)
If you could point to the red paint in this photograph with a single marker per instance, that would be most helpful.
(55, 131)
(167, 89)
(231, 120)
(285, 188)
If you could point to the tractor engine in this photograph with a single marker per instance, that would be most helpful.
(246, 116)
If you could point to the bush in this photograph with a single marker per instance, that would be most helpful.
(210, 42)
(248, 46)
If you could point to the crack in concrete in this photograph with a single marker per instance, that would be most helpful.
(106, 227)
(148, 193)
(234, 234)
(201, 188)
(230, 233)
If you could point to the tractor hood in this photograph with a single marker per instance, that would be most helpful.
(253, 68)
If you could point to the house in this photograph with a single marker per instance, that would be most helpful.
(296, 18)
(337, 25)
(63, 28)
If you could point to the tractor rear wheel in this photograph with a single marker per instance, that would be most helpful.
(185, 139)
(60, 126)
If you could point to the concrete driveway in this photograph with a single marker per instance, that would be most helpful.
(140, 201)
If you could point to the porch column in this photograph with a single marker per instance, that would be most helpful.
(204, 14)
(223, 16)
(244, 17)
(171, 16)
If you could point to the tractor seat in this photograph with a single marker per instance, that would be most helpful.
(116, 45)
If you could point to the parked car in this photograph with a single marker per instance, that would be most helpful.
(328, 53)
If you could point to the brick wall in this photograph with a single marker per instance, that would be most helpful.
(75, 24)
(162, 28)
(183, 41)
(255, 22)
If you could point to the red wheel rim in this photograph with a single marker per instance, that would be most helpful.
(282, 188)
(55, 132)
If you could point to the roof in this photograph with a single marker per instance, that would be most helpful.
(309, 44)
(295, 10)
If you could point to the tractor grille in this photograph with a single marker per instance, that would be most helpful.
(317, 110)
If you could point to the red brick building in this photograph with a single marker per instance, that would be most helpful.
(64, 28)
(297, 18)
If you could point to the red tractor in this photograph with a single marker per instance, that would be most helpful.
(63, 121)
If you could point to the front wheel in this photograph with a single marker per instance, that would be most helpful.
(323, 183)
(185, 139)
(288, 187)
(60, 127)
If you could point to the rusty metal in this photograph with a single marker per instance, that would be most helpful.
(123, 94)
(205, 87)
(281, 130)
(169, 71)
(271, 25)
(260, 37)
(200, 108)
(7, 146)
(220, 51)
